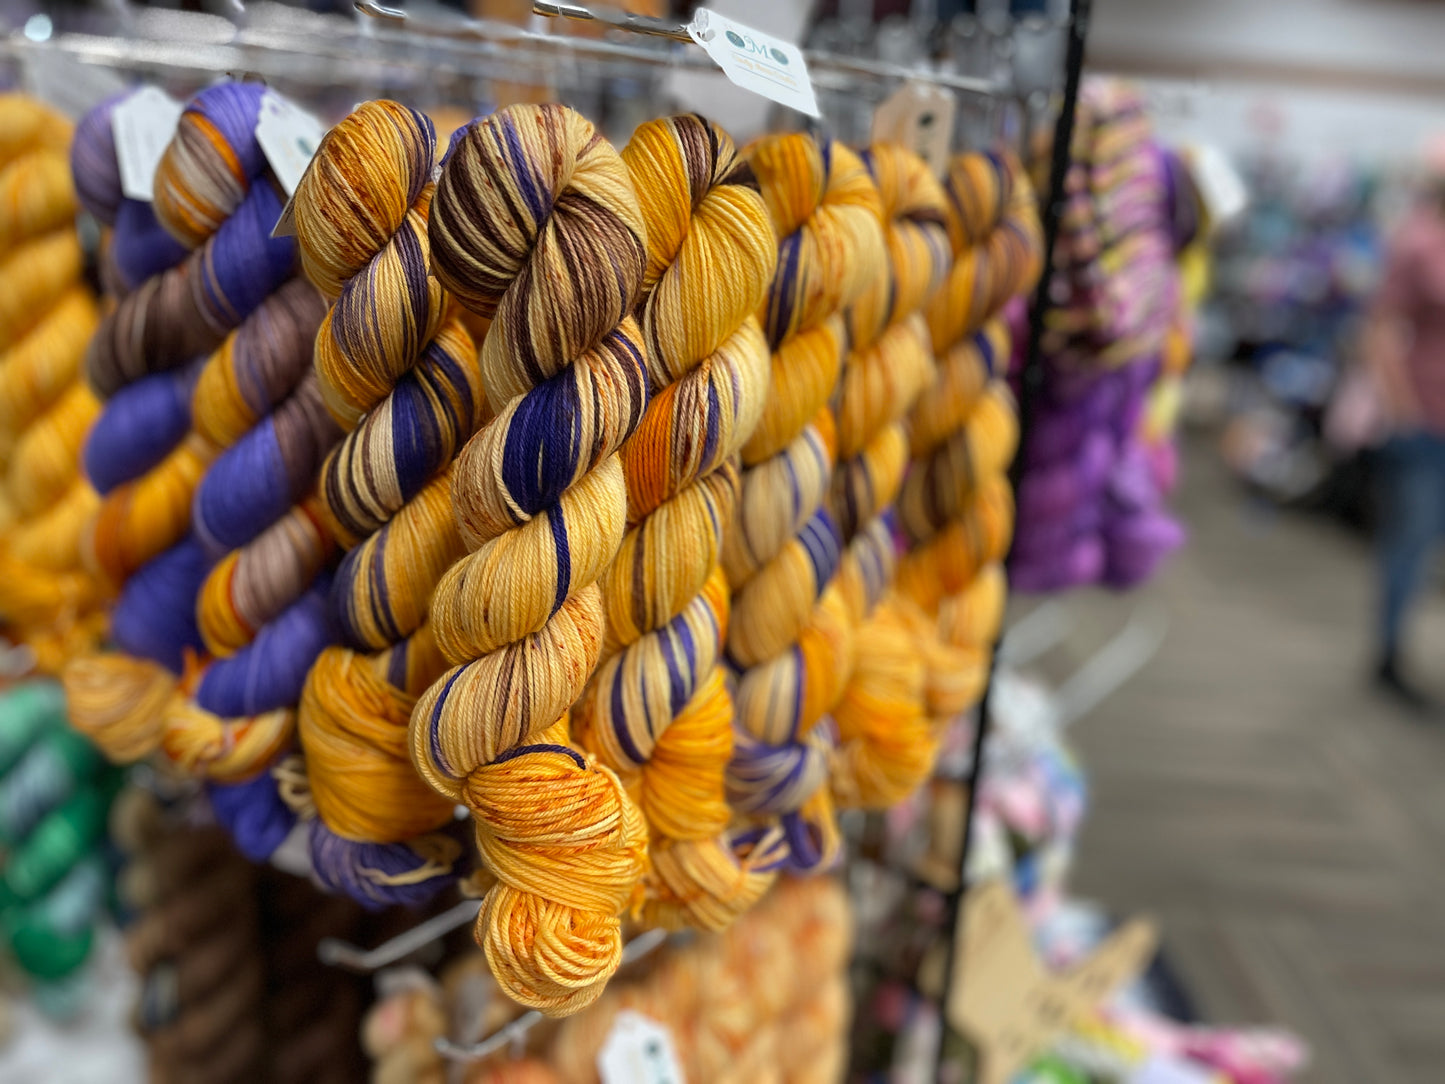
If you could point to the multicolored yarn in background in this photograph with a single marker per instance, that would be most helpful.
(1091, 505)
(247, 433)
(885, 747)
(790, 638)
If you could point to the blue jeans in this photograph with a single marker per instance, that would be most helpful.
(1412, 520)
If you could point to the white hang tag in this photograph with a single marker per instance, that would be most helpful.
(919, 117)
(755, 61)
(638, 1050)
(143, 125)
(289, 137)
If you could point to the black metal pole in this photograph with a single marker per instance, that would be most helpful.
(1031, 380)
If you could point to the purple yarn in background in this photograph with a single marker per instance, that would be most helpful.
(139, 426)
(140, 246)
(269, 672)
(242, 264)
(360, 870)
(1137, 544)
(273, 466)
(155, 617)
(253, 813)
(232, 108)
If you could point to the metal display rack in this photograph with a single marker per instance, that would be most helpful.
(395, 49)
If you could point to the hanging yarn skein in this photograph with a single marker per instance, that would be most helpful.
(536, 225)
(47, 599)
(956, 507)
(885, 747)
(213, 190)
(177, 314)
(214, 195)
(397, 368)
(790, 637)
(658, 711)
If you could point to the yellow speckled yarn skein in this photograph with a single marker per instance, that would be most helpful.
(535, 225)
(791, 636)
(658, 711)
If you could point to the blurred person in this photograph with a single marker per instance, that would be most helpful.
(1405, 350)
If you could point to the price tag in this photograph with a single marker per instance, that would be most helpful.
(919, 117)
(756, 61)
(143, 125)
(638, 1050)
(289, 137)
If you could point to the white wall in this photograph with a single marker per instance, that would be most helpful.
(1303, 123)
(1310, 78)
(1386, 40)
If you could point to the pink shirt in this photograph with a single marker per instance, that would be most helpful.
(1414, 291)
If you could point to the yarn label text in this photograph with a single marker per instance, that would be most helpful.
(756, 61)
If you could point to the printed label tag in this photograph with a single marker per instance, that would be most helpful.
(919, 117)
(143, 125)
(756, 61)
(289, 136)
(638, 1050)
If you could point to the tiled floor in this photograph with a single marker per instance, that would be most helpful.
(1286, 827)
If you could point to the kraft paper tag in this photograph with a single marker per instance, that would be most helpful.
(919, 117)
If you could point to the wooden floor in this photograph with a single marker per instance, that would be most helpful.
(1248, 789)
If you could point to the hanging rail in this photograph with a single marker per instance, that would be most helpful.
(818, 62)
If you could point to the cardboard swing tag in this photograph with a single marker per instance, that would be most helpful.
(143, 125)
(920, 117)
(1007, 1002)
(289, 137)
(638, 1050)
(756, 61)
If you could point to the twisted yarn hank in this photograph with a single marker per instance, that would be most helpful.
(711, 255)
(789, 630)
(47, 600)
(535, 224)
(400, 372)
(226, 719)
(884, 746)
(956, 506)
